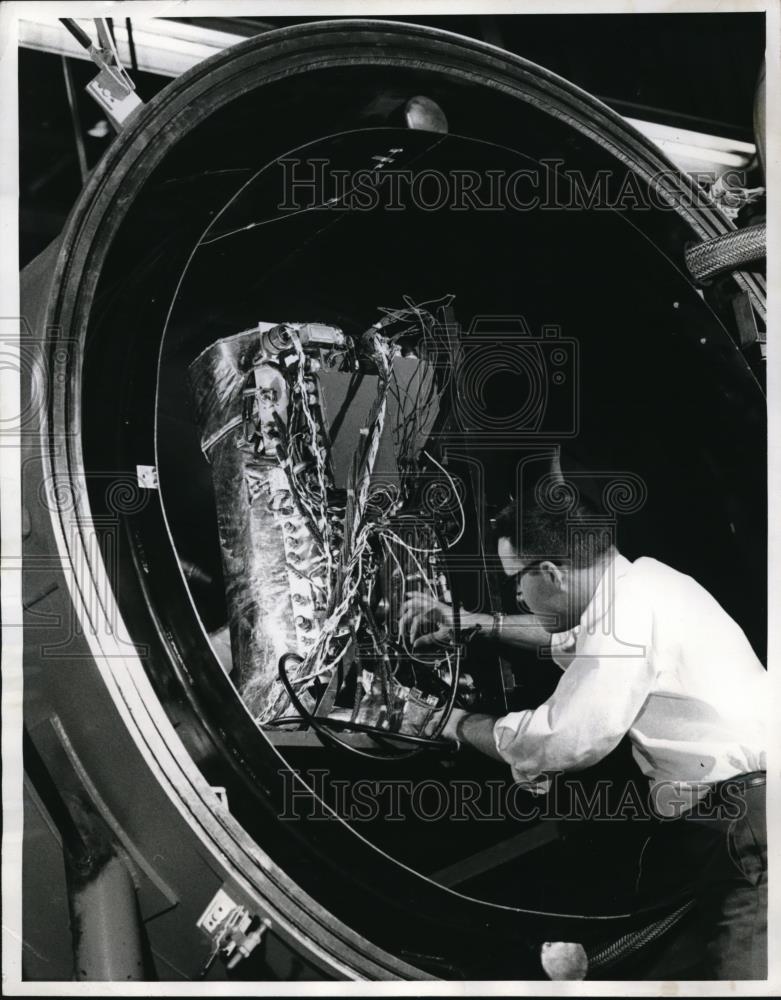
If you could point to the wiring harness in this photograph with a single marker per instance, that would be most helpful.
(354, 554)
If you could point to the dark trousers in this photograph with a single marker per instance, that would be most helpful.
(718, 853)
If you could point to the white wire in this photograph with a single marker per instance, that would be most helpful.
(458, 500)
(422, 569)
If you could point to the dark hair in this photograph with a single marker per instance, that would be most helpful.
(575, 535)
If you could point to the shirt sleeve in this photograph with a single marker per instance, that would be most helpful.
(595, 703)
(562, 647)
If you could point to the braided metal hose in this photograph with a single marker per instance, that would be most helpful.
(730, 252)
(612, 953)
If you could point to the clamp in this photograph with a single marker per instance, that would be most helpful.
(112, 88)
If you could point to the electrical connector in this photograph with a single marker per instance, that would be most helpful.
(235, 933)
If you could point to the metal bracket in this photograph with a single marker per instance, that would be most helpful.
(147, 477)
(731, 198)
(234, 931)
(221, 794)
(747, 326)
(112, 88)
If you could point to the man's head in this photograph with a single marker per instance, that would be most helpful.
(557, 559)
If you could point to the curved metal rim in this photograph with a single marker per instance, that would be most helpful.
(88, 235)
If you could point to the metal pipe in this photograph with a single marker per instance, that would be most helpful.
(107, 941)
(80, 150)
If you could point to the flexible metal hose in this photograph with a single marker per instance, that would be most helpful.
(612, 953)
(730, 252)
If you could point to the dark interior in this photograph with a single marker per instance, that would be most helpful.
(664, 395)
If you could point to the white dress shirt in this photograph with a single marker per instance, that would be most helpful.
(654, 656)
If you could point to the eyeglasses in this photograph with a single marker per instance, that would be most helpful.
(512, 582)
(531, 565)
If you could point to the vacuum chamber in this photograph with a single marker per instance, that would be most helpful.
(219, 207)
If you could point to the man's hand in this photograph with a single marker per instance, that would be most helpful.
(426, 622)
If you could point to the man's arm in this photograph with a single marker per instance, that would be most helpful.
(584, 719)
(594, 705)
(474, 729)
(429, 621)
(517, 631)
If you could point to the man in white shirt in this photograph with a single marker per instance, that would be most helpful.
(645, 652)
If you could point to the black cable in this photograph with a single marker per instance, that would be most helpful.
(131, 45)
(345, 725)
(78, 32)
(70, 92)
(326, 737)
(321, 725)
(285, 720)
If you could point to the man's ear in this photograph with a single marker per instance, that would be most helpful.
(553, 574)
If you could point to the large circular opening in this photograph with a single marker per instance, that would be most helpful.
(572, 326)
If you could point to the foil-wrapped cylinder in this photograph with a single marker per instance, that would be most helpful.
(270, 557)
(277, 558)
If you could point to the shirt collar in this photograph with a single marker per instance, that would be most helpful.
(604, 592)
